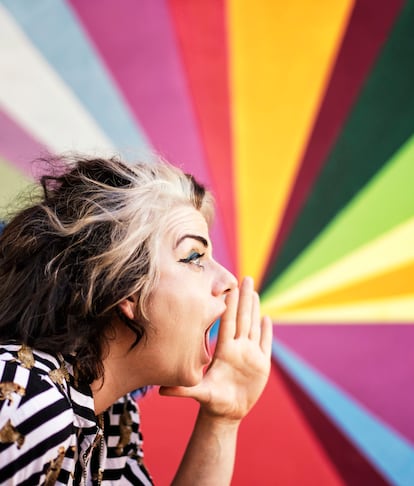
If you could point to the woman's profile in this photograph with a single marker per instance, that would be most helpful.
(108, 284)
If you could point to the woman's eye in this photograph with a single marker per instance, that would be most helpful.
(194, 259)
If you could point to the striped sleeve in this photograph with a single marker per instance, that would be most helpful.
(36, 425)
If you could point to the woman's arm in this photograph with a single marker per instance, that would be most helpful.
(228, 391)
(209, 457)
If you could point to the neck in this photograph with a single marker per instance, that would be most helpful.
(121, 374)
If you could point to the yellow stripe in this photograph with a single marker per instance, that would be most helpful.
(281, 56)
(12, 184)
(385, 253)
(399, 309)
(398, 282)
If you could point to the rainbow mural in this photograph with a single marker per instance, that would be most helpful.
(299, 116)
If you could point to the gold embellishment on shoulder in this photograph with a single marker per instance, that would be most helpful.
(55, 467)
(7, 389)
(9, 434)
(25, 355)
(59, 375)
(125, 430)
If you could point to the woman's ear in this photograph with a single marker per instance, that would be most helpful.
(128, 307)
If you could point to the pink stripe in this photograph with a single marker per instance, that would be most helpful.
(374, 363)
(17, 146)
(137, 42)
(205, 56)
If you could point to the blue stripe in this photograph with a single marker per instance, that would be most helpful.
(55, 31)
(390, 453)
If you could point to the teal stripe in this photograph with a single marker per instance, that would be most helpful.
(55, 31)
(390, 453)
(384, 203)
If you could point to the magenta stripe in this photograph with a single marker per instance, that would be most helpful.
(138, 44)
(17, 146)
(374, 363)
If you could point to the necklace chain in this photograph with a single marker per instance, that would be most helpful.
(100, 438)
(101, 422)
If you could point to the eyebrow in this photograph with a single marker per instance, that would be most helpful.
(199, 238)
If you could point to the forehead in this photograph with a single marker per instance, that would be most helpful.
(186, 220)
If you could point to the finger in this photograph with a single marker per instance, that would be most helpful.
(176, 391)
(196, 392)
(255, 332)
(227, 326)
(244, 311)
(266, 336)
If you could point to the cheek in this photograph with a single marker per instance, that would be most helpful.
(167, 311)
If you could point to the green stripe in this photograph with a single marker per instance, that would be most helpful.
(12, 185)
(382, 120)
(387, 201)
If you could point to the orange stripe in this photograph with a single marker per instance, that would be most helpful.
(398, 282)
(281, 57)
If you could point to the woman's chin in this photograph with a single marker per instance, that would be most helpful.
(194, 378)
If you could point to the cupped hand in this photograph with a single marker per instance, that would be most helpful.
(241, 362)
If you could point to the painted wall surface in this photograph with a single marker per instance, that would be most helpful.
(299, 116)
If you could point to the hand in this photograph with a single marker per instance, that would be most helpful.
(241, 362)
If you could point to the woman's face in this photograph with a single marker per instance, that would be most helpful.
(187, 301)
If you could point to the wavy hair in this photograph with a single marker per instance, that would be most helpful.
(88, 243)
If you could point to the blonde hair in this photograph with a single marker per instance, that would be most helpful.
(89, 243)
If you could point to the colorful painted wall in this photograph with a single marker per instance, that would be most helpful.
(299, 116)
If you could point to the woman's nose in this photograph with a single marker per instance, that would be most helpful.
(225, 281)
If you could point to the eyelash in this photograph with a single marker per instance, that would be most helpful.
(193, 259)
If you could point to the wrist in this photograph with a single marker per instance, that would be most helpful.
(218, 421)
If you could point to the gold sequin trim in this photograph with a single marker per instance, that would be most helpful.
(7, 389)
(59, 375)
(125, 430)
(55, 467)
(9, 434)
(25, 355)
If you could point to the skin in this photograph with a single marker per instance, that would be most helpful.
(194, 290)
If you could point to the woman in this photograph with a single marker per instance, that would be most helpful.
(108, 285)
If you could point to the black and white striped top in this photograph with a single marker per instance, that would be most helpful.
(49, 433)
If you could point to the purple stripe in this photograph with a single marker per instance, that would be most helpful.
(374, 363)
(142, 55)
(17, 146)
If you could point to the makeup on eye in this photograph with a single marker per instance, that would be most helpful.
(193, 258)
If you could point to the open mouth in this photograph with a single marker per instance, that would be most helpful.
(207, 339)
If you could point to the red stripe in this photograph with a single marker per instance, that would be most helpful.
(352, 465)
(137, 42)
(275, 444)
(202, 36)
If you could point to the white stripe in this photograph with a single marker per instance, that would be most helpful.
(54, 363)
(33, 94)
(45, 430)
(119, 463)
(139, 473)
(38, 403)
(84, 401)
